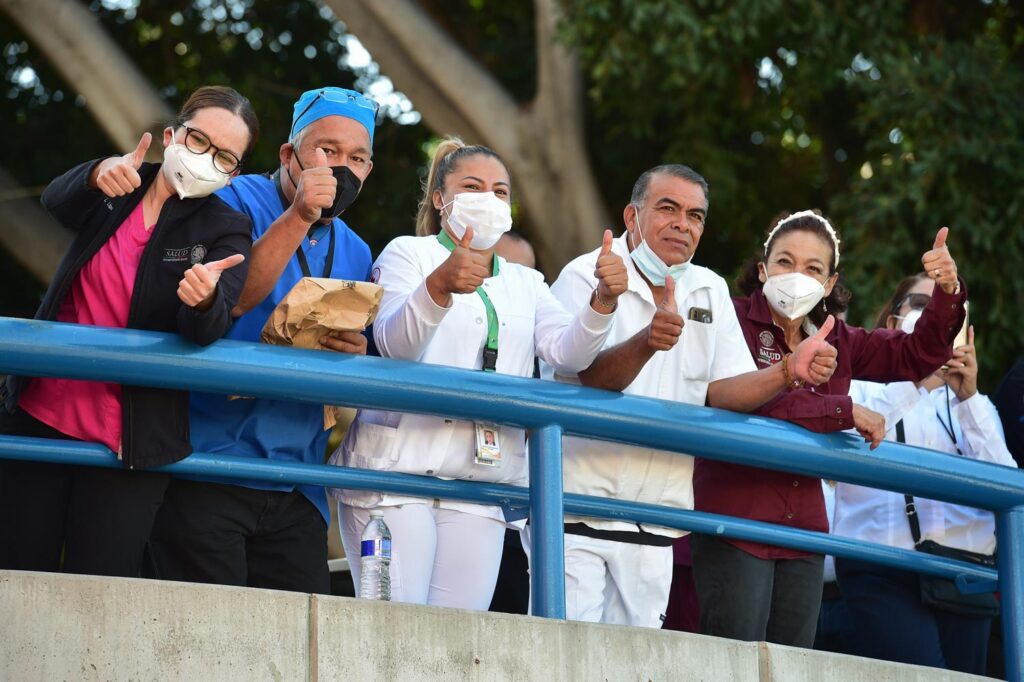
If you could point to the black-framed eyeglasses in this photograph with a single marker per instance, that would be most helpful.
(915, 301)
(338, 96)
(198, 142)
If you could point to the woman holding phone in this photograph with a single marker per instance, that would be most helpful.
(944, 412)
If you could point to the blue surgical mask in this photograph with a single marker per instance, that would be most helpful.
(650, 263)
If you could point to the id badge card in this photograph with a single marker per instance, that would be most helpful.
(488, 444)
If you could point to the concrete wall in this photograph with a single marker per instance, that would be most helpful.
(57, 627)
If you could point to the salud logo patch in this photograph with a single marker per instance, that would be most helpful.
(766, 338)
(768, 357)
(187, 254)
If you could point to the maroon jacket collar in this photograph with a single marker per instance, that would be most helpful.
(758, 310)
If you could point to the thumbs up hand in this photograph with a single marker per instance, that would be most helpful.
(939, 265)
(119, 175)
(667, 324)
(610, 272)
(198, 286)
(461, 273)
(316, 189)
(814, 360)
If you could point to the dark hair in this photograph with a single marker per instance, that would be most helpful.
(517, 236)
(677, 170)
(447, 156)
(221, 97)
(749, 280)
(898, 297)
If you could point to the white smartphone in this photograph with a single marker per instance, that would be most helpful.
(961, 336)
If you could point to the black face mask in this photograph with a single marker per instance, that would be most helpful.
(348, 189)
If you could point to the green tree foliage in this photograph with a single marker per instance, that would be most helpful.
(269, 51)
(893, 118)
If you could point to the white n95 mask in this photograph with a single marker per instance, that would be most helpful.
(909, 321)
(191, 175)
(489, 216)
(793, 294)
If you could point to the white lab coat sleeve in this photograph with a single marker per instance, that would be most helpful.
(568, 332)
(983, 431)
(407, 318)
(892, 401)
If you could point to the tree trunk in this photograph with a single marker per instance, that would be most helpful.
(542, 142)
(115, 91)
(119, 97)
(31, 236)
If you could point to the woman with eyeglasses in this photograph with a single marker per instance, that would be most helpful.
(944, 412)
(756, 592)
(450, 300)
(153, 250)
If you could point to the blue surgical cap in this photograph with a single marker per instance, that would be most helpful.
(316, 104)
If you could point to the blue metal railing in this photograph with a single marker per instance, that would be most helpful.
(549, 410)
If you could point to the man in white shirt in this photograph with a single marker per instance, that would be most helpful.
(620, 572)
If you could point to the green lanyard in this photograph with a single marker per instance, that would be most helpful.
(491, 349)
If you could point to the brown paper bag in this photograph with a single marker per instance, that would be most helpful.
(316, 306)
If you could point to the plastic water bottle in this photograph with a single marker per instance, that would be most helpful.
(375, 559)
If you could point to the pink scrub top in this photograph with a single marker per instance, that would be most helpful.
(100, 295)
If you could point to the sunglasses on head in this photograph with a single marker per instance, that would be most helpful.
(342, 97)
(915, 301)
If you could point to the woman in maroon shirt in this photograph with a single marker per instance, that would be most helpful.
(756, 592)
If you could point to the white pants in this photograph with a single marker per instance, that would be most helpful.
(438, 556)
(614, 582)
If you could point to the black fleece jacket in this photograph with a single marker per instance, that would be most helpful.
(154, 420)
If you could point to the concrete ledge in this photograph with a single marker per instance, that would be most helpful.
(789, 664)
(61, 627)
(410, 644)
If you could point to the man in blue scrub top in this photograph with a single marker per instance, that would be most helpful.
(256, 534)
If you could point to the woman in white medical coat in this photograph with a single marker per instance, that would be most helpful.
(449, 300)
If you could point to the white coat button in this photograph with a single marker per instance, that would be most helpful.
(479, 320)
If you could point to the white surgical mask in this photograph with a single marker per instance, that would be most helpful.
(793, 294)
(191, 175)
(650, 263)
(489, 216)
(908, 321)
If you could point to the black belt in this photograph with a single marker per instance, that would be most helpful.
(637, 537)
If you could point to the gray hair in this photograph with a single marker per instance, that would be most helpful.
(676, 170)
